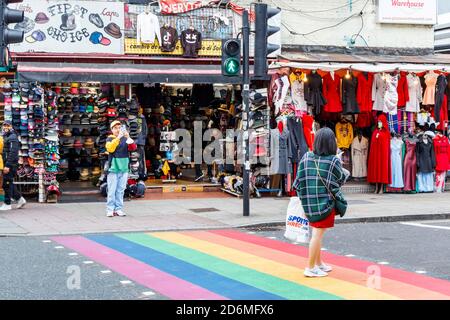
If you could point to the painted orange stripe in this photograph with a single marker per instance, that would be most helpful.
(392, 287)
(417, 280)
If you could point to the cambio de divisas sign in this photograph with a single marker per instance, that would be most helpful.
(407, 11)
(71, 26)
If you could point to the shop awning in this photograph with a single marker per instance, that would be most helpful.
(368, 63)
(121, 73)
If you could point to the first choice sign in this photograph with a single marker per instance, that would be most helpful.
(71, 26)
(407, 11)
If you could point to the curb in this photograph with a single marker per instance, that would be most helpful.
(402, 218)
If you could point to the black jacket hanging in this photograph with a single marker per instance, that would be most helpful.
(169, 38)
(349, 103)
(441, 86)
(191, 41)
(297, 140)
(316, 98)
(426, 160)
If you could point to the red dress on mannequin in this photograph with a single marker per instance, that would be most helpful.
(379, 167)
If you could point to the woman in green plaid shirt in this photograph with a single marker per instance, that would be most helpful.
(318, 185)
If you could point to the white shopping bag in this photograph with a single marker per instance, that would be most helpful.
(297, 225)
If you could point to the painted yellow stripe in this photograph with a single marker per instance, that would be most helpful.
(340, 288)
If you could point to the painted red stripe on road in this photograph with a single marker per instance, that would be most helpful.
(417, 280)
(142, 273)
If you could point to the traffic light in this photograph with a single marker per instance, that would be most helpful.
(8, 36)
(231, 57)
(262, 32)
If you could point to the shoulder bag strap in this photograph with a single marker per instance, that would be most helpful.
(321, 179)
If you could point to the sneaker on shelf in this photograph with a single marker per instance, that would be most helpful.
(5, 207)
(120, 213)
(199, 178)
(21, 203)
(110, 214)
(314, 273)
(324, 267)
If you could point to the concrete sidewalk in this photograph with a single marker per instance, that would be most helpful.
(207, 213)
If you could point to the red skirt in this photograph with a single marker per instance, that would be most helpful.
(328, 222)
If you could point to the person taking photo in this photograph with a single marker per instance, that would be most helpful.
(118, 145)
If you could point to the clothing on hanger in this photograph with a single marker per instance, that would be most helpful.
(169, 36)
(378, 92)
(191, 41)
(364, 92)
(331, 92)
(430, 91)
(148, 28)
(414, 93)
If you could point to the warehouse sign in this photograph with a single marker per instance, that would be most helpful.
(407, 11)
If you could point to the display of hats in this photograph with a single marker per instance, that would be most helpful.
(67, 119)
(96, 171)
(85, 119)
(111, 112)
(77, 144)
(89, 143)
(68, 144)
(94, 119)
(76, 119)
(85, 132)
(76, 131)
(84, 174)
(66, 132)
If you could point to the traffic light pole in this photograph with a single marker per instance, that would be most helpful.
(246, 107)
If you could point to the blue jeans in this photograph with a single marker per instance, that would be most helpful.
(117, 182)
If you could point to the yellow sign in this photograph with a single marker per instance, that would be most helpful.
(210, 48)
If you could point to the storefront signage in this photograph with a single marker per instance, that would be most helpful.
(183, 6)
(407, 11)
(71, 26)
(210, 48)
(180, 6)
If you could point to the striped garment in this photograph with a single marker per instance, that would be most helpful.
(316, 201)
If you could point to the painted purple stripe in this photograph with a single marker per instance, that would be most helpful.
(164, 283)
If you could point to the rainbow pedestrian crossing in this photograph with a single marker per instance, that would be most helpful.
(233, 265)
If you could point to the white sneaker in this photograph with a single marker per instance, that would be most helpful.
(120, 213)
(315, 272)
(324, 267)
(5, 207)
(110, 214)
(21, 202)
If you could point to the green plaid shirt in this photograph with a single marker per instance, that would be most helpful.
(316, 200)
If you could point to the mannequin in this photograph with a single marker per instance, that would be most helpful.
(379, 168)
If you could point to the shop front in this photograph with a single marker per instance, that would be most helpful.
(390, 114)
(66, 92)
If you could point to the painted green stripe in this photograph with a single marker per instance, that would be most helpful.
(266, 282)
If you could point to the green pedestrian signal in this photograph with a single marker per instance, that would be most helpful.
(232, 66)
(231, 57)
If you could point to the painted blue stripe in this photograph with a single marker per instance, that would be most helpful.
(211, 281)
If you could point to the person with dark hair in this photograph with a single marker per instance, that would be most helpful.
(318, 185)
(11, 158)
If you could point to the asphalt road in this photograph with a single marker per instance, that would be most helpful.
(421, 246)
(33, 268)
